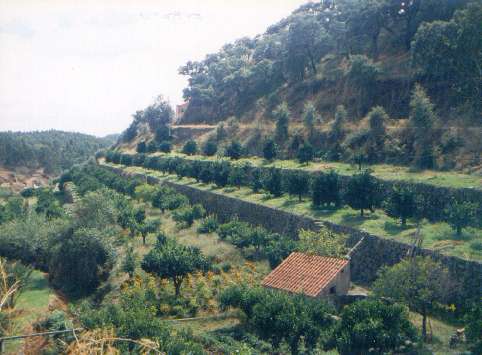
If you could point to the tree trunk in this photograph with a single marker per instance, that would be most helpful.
(177, 286)
(299, 197)
(143, 239)
(361, 212)
(459, 231)
(424, 324)
(404, 221)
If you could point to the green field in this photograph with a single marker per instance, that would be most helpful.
(31, 305)
(437, 236)
(381, 171)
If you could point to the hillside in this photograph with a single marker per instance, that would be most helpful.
(45, 153)
(326, 61)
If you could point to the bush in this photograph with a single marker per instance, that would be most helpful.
(234, 150)
(373, 326)
(208, 225)
(210, 148)
(190, 148)
(79, 261)
(165, 147)
(141, 147)
(186, 215)
(272, 182)
(362, 192)
(270, 149)
(305, 153)
(297, 183)
(326, 189)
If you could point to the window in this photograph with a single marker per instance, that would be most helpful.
(332, 290)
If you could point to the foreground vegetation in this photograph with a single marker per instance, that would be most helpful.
(159, 259)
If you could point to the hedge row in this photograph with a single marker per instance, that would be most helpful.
(432, 201)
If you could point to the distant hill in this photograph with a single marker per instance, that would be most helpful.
(52, 151)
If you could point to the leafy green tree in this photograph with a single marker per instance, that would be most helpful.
(401, 203)
(190, 148)
(187, 215)
(282, 116)
(145, 192)
(277, 317)
(298, 184)
(221, 173)
(305, 153)
(130, 262)
(238, 176)
(165, 147)
(234, 150)
(48, 204)
(79, 261)
(326, 189)
(362, 192)
(163, 133)
(206, 175)
(460, 215)
(420, 283)
(473, 328)
(337, 133)
(256, 180)
(307, 41)
(99, 209)
(126, 159)
(422, 118)
(324, 243)
(141, 147)
(152, 146)
(147, 226)
(377, 118)
(310, 117)
(279, 248)
(273, 182)
(210, 147)
(372, 326)
(362, 74)
(270, 149)
(140, 215)
(174, 261)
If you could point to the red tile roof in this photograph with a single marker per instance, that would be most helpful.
(303, 273)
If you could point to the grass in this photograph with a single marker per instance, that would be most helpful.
(437, 236)
(31, 305)
(381, 171)
(442, 332)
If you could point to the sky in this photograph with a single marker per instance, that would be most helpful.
(87, 66)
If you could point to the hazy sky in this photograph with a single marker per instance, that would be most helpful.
(88, 65)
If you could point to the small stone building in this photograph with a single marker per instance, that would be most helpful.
(311, 275)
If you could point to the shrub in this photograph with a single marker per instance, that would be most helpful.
(373, 326)
(152, 146)
(324, 242)
(234, 150)
(460, 215)
(126, 159)
(221, 173)
(401, 204)
(190, 148)
(272, 182)
(326, 189)
(256, 180)
(165, 147)
(208, 225)
(270, 149)
(186, 215)
(79, 261)
(305, 153)
(297, 183)
(210, 148)
(141, 147)
(362, 192)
